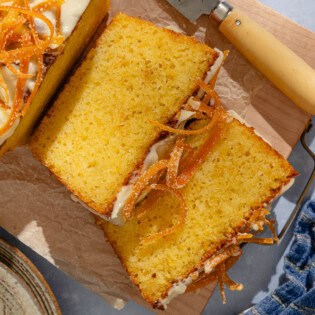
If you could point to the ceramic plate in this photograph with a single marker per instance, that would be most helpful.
(23, 289)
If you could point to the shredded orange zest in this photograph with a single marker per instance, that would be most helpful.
(221, 272)
(271, 226)
(215, 77)
(210, 94)
(21, 45)
(259, 218)
(183, 157)
(202, 281)
(262, 241)
(30, 49)
(142, 183)
(4, 86)
(173, 165)
(149, 202)
(206, 110)
(19, 73)
(226, 258)
(199, 157)
(203, 109)
(182, 220)
(230, 283)
(233, 250)
(182, 131)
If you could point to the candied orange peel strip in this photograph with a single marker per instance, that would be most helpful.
(5, 89)
(203, 108)
(182, 220)
(143, 183)
(259, 218)
(230, 251)
(173, 164)
(21, 45)
(183, 161)
(220, 263)
(30, 49)
(224, 279)
(198, 158)
(170, 168)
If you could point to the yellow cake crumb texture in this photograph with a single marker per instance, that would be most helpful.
(241, 173)
(98, 131)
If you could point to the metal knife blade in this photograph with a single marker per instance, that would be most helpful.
(193, 9)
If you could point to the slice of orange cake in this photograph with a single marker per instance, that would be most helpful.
(97, 137)
(188, 230)
(40, 40)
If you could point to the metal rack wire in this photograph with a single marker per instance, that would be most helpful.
(307, 186)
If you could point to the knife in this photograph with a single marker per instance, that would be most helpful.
(293, 76)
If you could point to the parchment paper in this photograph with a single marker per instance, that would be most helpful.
(37, 209)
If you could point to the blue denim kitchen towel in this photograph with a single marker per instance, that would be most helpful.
(297, 295)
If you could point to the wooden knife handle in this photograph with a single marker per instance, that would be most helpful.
(293, 76)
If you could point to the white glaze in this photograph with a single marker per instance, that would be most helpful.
(118, 221)
(183, 116)
(286, 187)
(235, 115)
(213, 71)
(116, 214)
(71, 11)
(32, 69)
(177, 289)
(122, 196)
(207, 267)
(155, 152)
(255, 227)
(10, 132)
(153, 156)
(10, 80)
(180, 287)
(194, 103)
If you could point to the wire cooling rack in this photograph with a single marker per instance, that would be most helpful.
(307, 186)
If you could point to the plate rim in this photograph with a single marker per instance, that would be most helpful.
(15, 252)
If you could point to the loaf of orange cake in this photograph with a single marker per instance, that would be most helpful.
(185, 234)
(141, 139)
(97, 138)
(40, 40)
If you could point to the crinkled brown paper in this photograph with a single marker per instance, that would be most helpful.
(37, 209)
